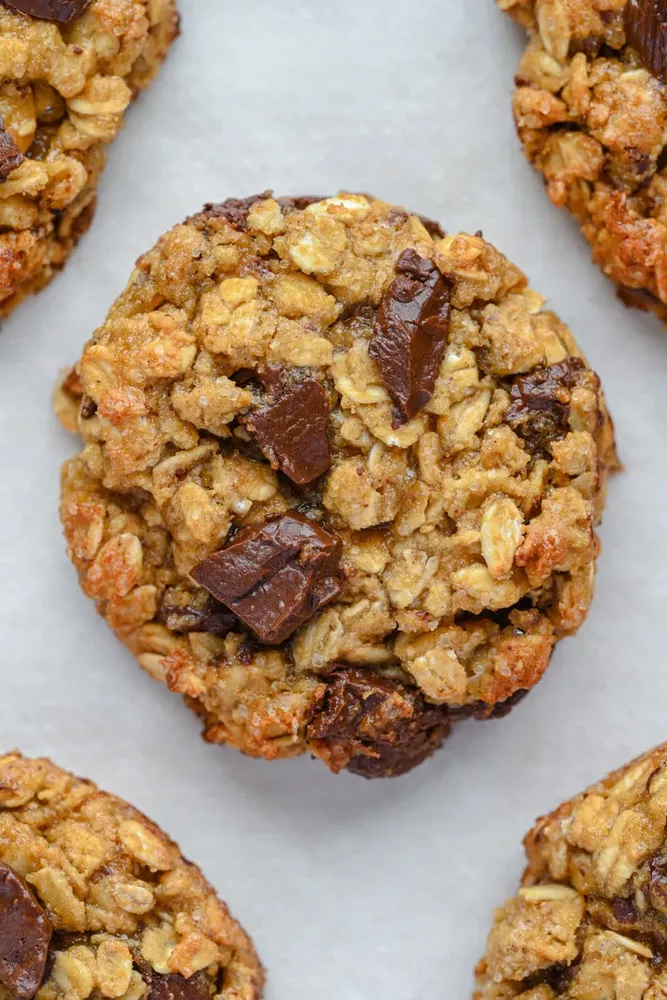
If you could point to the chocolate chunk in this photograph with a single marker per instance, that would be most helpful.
(434, 229)
(300, 202)
(64, 11)
(235, 211)
(410, 333)
(639, 298)
(11, 156)
(172, 986)
(274, 575)
(25, 934)
(291, 429)
(625, 911)
(657, 882)
(372, 725)
(183, 614)
(646, 30)
(540, 403)
(88, 407)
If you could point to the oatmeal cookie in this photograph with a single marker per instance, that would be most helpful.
(95, 901)
(590, 920)
(69, 70)
(591, 110)
(339, 479)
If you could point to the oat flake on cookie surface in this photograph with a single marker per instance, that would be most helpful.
(590, 107)
(68, 71)
(590, 919)
(95, 901)
(339, 480)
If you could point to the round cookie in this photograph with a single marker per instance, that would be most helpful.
(70, 69)
(591, 111)
(95, 901)
(590, 918)
(339, 480)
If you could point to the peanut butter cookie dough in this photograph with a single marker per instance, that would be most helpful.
(591, 110)
(69, 69)
(95, 901)
(590, 920)
(339, 479)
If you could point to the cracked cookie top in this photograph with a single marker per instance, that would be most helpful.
(590, 920)
(69, 70)
(95, 901)
(591, 110)
(340, 476)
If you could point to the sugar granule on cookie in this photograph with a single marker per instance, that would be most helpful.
(591, 111)
(95, 901)
(71, 68)
(339, 480)
(589, 919)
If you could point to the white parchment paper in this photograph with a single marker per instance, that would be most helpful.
(351, 890)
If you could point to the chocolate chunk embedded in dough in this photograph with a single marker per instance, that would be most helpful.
(63, 11)
(540, 403)
(646, 30)
(291, 429)
(11, 156)
(372, 725)
(274, 575)
(410, 333)
(25, 934)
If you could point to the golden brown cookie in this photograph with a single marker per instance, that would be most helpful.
(69, 70)
(95, 901)
(590, 919)
(591, 111)
(339, 479)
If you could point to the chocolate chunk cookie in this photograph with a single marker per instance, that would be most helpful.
(340, 477)
(590, 918)
(591, 111)
(95, 901)
(70, 69)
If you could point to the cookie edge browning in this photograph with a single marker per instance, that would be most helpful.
(246, 960)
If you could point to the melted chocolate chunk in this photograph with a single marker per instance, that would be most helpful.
(88, 408)
(11, 156)
(207, 616)
(410, 333)
(540, 403)
(274, 575)
(374, 726)
(639, 298)
(434, 229)
(25, 934)
(63, 11)
(175, 987)
(646, 30)
(291, 429)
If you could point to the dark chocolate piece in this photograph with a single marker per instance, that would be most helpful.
(434, 229)
(188, 616)
(372, 725)
(173, 986)
(235, 211)
(274, 575)
(646, 30)
(291, 429)
(25, 934)
(63, 11)
(410, 333)
(540, 403)
(11, 156)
